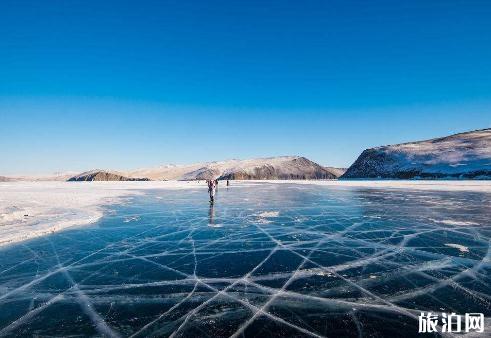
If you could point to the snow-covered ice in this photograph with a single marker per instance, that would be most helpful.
(32, 209)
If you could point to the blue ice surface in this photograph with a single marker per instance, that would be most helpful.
(274, 260)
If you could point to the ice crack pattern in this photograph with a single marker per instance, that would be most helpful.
(265, 260)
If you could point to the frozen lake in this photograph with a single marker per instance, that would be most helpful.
(267, 260)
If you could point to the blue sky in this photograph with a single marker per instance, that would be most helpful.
(125, 84)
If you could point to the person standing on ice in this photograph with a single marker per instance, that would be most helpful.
(212, 190)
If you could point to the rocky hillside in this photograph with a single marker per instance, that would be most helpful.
(338, 172)
(284, 167)
(460, 156)
(101, 175)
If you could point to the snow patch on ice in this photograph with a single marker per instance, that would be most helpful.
(268, 214)
(460, 247)
(131, 219)
(453, 222)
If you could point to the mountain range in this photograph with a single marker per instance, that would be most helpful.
(460, 156)
(283, 167)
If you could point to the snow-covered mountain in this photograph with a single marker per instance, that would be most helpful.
(283, 167)
(463, 156)
(101, 175)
